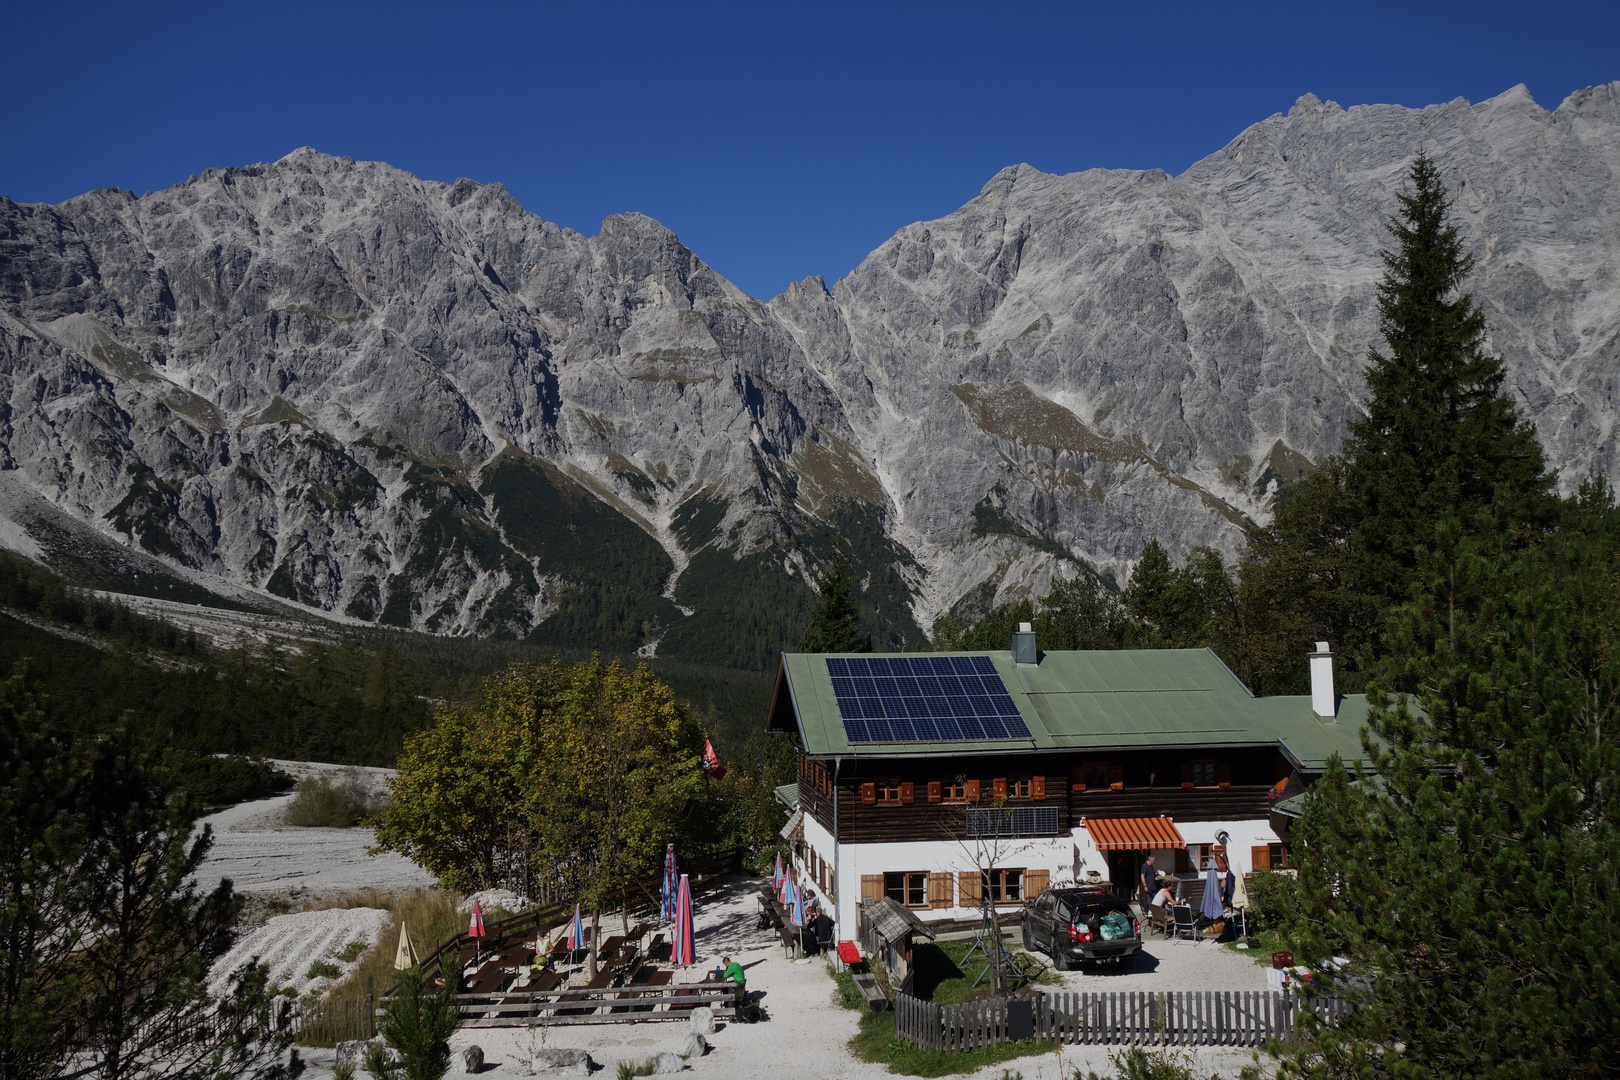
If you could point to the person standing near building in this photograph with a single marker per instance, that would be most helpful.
(1149, 882)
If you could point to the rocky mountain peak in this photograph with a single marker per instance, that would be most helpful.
(417, 403)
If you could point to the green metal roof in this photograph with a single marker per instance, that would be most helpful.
(787, 795)
(1118, 699)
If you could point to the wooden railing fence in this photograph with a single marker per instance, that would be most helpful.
(1180, 1018)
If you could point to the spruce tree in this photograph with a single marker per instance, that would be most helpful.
(1440, 438)
(835, 624)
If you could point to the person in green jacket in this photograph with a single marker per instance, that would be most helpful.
(734, 972)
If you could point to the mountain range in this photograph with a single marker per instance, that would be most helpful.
(396, 401)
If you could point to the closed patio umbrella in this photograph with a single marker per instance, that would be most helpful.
(475, 925)
(405, 956)
(576, 932)
(1212, 907)
(666, 910)
(1240, 894)
(682, 950)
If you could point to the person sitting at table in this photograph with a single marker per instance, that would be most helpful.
(1164, 897)
(732, 970)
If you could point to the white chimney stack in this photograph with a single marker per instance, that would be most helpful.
(1323, 700)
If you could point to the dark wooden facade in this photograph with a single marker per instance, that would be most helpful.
(1230, 784)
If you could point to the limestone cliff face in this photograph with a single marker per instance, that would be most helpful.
(417, 403)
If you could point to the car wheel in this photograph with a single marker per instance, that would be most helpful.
(1060, 961)
(1029, 938)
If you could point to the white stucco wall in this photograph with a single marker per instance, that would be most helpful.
(1065, 858)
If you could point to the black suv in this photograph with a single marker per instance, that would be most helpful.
(1067, 925)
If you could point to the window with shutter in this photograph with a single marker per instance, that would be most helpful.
(967, 885)
(1260, 858)
(941, 891)
(908, 793)
(936, 791)
(1187, 774)
(1116, 777)
(998, 789)
(1035, 882)
(972, 791)
(871, 887)
(869, 793)
(1037, 787)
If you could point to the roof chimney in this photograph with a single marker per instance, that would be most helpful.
(1023, 645)
(1323, 701)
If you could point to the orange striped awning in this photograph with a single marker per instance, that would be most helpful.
(1134, 833)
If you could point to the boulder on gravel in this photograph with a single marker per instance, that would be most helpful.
(693, 1046)
(353, 1051)
(560, 1060)
(703, 1020)
(667, 1063)
(466, 1059)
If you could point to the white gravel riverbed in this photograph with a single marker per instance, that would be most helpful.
(261, 855)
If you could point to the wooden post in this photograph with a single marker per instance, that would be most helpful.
(371, 1006)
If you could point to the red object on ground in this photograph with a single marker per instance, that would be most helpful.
(475, 924)
(849, 952)
(1282, 961)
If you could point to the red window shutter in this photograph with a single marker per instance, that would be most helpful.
(869, 793)
(998, 789)
(908, 793)
(936, 791)
(1037, 787)
(1116, 777)
(972, 791)
(1260, 857)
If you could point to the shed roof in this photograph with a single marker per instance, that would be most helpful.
(1096, 700)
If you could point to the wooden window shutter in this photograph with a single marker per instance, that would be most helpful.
(936, 791)
(869, 793)
(871, 887)
(998, 789)
(1260, 857)
(908, 793)
(1035, 881)
(941, 891)
(1186, 774)
(972, 791)
(967, 883)
(1037, 787)
(1223, 773)
(1116, 777)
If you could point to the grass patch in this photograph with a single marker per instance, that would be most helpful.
(945, 976)
(876, 1043)
(430, 914)
(1262, 944)
(320, 969)
(352, 951)
(628, 1070)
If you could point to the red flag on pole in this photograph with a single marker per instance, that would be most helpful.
(711, 761)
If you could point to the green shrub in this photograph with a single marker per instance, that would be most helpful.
(1274, 901)
(225, 781)
(325, 802)
(352, 951)
(417, 1022)
(629, 1070)
(320, 969)
(343, 1070)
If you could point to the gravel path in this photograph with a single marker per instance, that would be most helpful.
(261, 855)
(806, 1035)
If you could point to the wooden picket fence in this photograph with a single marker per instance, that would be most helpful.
(1180, 1018)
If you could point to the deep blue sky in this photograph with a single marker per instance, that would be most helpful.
(778, 140)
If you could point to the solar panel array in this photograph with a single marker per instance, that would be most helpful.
(894, 699)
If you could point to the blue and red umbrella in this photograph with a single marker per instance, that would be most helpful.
(798, 905)
(576, 932)
(682, 950)
(475, 925)
(666, 908)
(776, 874)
